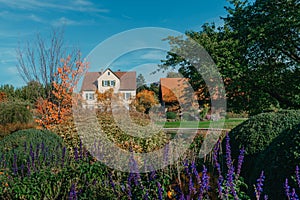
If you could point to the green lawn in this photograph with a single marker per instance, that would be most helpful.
(228, 123)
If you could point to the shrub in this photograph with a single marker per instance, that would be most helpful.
(14, 116)
(14, 112)
(257, 133)
(278, 162)
(171, 115)
(22, 144)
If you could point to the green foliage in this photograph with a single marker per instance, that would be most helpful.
(278, 162)
(171, 115)
(14, 112)
(272, 65)
(256, 133)
(22, 143)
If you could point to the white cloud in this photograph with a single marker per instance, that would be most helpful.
(63, 21)
(78, 5)
(154, 55)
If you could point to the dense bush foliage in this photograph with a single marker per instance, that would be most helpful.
(278, 162)
(14, 116)
(171, 115)
(14, 112)
(257, 133)
(17, 147)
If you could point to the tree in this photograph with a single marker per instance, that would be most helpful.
(39, 60)
(144, 100)
(173, 75)
(57, 108)
(256, 51)
(140, 80)
(224, 50)
(3, 97)
(269, 33)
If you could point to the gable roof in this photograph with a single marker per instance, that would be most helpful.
(90, 81)
(127, 80)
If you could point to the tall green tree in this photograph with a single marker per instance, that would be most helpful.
(269, 33)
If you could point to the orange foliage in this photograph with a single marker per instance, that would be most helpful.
(104, 99)
(3, 97)
(58, 107)
(144, 100)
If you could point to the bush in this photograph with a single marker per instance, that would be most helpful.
(30, 144)
(257, 133)
(14, 116)
(14, 112)
(279, 161)
(171, 115)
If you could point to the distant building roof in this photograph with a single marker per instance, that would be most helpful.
(174, 89)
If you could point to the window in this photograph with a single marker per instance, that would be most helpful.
(108, 73)
(106, 83)
(127, 96)
(89, 96)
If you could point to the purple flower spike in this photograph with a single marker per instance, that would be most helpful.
(205, 183)
(259, 185)
(294, 196)
(240, 162)
(287, 188)
(73, 194)
(160, 191)
(297, 176)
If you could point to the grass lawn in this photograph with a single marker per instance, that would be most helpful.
(228, 123)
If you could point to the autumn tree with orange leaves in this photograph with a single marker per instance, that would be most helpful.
(144, 100)
(58, 106)
(3, 97)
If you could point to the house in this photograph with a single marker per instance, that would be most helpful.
(177, 94)
(121, 82)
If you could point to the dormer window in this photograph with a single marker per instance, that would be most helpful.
(108, 73)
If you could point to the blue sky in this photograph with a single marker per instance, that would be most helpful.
(87, 23)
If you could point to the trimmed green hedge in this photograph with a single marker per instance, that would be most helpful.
(256, 135)
(279, 161)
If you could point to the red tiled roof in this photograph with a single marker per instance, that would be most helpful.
(174, 89)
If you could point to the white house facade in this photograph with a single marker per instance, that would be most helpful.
(121, 82)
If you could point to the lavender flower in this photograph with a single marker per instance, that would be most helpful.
(294, 196)
(218, 166)
(72, 193)
(192, 189)
(204, 183)
(287, 188)
(297, 176)
(76, 153)
(259, 185)
(15, 165)
(160, 191)
(240, 162)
